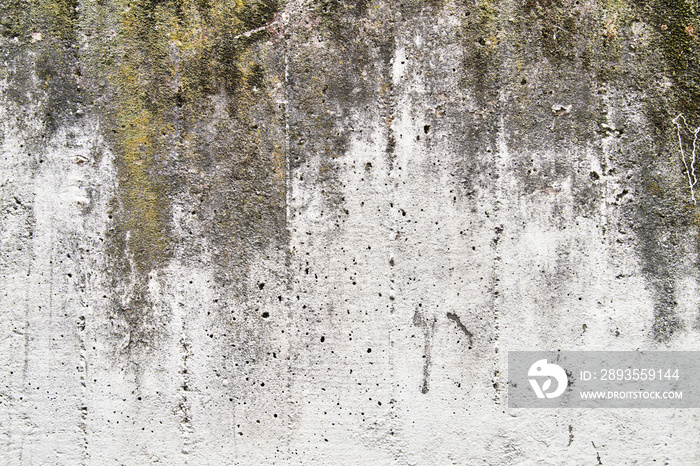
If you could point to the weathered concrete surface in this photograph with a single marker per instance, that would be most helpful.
(310, 232)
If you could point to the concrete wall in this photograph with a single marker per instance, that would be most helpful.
(309, 232)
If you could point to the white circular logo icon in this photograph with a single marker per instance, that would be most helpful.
(551, 371)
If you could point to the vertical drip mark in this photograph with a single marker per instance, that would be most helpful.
(502, 165)
(391, 80)
(25, 367)
(51, 275)
(389, 109)
(83, 364)
(287, 222)
(387, 96)
(235, 433)
(287, 176)
(428, 328)
(183, 406)
(83, 382)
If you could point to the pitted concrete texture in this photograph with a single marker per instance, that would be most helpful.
(310, 232)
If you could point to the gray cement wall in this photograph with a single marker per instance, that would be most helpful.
(309, 232)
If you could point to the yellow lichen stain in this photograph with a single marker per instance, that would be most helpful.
(278, 158)
(654, 188)
(143, 97)
(57, 16)
(172, 56)
(143, 199)
(487, 16)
